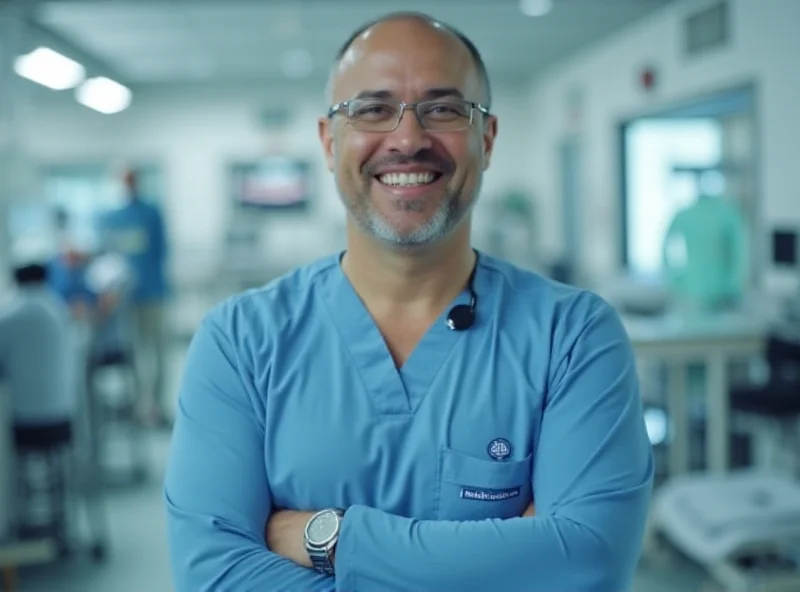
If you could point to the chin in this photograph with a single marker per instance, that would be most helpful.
(409, 235)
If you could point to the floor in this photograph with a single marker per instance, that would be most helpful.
(138, 558)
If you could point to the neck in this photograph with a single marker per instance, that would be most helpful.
(408, 282)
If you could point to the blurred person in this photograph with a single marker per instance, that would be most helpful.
(67, 277)
(61, 227)
(409, 414)
(66, 271)
(110, 279)
(38, 357)
(136, 230)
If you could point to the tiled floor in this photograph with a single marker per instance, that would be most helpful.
(138, 560)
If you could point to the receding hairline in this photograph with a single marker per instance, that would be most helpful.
(477, 59)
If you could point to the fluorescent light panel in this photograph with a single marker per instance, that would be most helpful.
(49, 68)
(104, 95)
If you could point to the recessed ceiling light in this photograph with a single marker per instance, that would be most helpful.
(104, 95)
(535, 7)
(49, 68)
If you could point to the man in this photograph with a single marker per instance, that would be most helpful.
(415, 394)
(137, 231)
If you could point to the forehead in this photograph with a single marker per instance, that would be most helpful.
(406, 58)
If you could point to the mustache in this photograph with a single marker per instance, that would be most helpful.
(423, 157)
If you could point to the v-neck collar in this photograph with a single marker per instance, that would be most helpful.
(393, 391)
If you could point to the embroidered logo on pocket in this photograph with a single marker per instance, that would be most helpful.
(489, 495)
(499, 449)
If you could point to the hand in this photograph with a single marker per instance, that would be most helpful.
(530, 511)
(284, 535)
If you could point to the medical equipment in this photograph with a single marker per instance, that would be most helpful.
(744, 528)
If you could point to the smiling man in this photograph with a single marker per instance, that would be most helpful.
(383, 419)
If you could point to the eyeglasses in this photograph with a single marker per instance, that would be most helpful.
(384, 115)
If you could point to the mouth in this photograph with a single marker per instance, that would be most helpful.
(410, 179)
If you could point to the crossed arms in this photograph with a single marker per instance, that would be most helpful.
(593, 476)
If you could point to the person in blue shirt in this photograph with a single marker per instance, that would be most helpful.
(137, 231)
(409, 414)
(66, 276)
(38, 358)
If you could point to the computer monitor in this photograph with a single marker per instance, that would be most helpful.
(275, 182)
(785, 247)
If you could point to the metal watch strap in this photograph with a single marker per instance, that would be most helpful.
(321, 556)
(321, 560)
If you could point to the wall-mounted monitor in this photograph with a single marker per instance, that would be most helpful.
(274, 182)
(785, 247)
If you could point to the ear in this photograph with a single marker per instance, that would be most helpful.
(489, 136)
(325, 130)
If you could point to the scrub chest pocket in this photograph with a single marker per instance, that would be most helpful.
(471, 488)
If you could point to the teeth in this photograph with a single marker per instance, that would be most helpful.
(407, 178)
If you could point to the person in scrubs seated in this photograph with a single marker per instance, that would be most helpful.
(38, 359)
(409, 414)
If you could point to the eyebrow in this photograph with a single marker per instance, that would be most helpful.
(431, 93)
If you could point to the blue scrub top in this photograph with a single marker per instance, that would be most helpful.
(69, 282)
(137, 231)
(290, 399)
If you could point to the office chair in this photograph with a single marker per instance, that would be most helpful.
(776, 399)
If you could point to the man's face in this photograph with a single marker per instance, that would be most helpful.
(409, 186)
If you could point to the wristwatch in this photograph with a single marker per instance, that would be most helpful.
(320, 538)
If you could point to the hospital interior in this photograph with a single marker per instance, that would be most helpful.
(647, 150)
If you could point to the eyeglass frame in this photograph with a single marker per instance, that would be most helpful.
(483, 109)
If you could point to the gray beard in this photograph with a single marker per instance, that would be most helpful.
(446, 218)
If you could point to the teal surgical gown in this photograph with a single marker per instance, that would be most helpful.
(713, 269)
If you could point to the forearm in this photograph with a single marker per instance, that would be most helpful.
(378, 551)
(216, 492)
(209, 555)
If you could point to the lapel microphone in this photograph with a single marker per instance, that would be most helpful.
(462, 316)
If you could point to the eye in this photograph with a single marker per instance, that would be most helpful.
(371, 110)
(445, 110)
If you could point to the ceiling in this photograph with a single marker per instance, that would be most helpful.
(181, 41)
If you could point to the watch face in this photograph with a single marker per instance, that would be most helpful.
(322, 528)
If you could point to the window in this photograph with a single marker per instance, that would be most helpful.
(655, 192)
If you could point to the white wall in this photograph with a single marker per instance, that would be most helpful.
(194, 132)
(765, 48)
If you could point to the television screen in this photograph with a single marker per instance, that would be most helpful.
(273, 182)
(785, 247)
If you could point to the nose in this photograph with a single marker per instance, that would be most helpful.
(409, 137)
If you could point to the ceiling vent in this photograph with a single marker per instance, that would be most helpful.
(708, 29)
